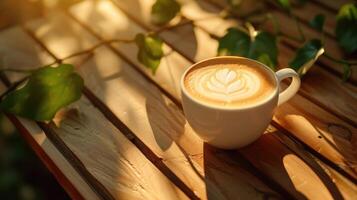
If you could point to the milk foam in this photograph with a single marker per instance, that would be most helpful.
(227, 83)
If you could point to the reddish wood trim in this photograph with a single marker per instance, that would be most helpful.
(51, 166)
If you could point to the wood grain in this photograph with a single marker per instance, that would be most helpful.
(104, 152)
(93, 26)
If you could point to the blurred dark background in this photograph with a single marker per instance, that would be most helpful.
(22, 175)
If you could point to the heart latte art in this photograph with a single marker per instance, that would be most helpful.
(228, 84)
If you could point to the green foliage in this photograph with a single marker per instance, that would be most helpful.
(164, 11)
(318, 22)
(47, 90)
(150, 50)
(261, 47)
(346, 28)
(306, 56)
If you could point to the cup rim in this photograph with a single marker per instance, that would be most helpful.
(268, 99)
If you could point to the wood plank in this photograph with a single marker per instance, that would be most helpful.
(64, 32)
(104, 152)
(336, 155)
(115, 83)
(287, 27)
(93, 26)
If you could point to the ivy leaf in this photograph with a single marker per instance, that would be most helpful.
(284, 4)
(150, 50)
(346, 28)
(264, 45)
(318, 22)
(234, 42)
(262, 48)
(306, 56)
(164, 11)
(46, 91)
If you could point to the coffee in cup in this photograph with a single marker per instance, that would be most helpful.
(231, 85)
(229, 101)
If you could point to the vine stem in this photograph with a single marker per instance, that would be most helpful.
(341, 61)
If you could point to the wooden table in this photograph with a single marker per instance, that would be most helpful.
(127, 137)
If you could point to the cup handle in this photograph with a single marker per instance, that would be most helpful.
(293, 87)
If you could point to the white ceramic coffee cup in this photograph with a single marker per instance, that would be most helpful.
(230, 128)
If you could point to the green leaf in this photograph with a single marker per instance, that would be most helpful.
(284, 4)
(234, 42)
(347, 71)
(150, 50)
(237, 42)
(46, 91)
(264, 58)
(346, 28)
(318, 22)
(164, 11)
(306, 56)
(265, 45)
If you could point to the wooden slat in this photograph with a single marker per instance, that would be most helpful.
(93, 26)
(288, 27)
(101, 150)
(158, 122)
(336, 155)
(346, 188)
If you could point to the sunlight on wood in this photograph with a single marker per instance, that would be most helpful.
(62, 36)
(305, 185)
(298, 124)
(104, 15)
